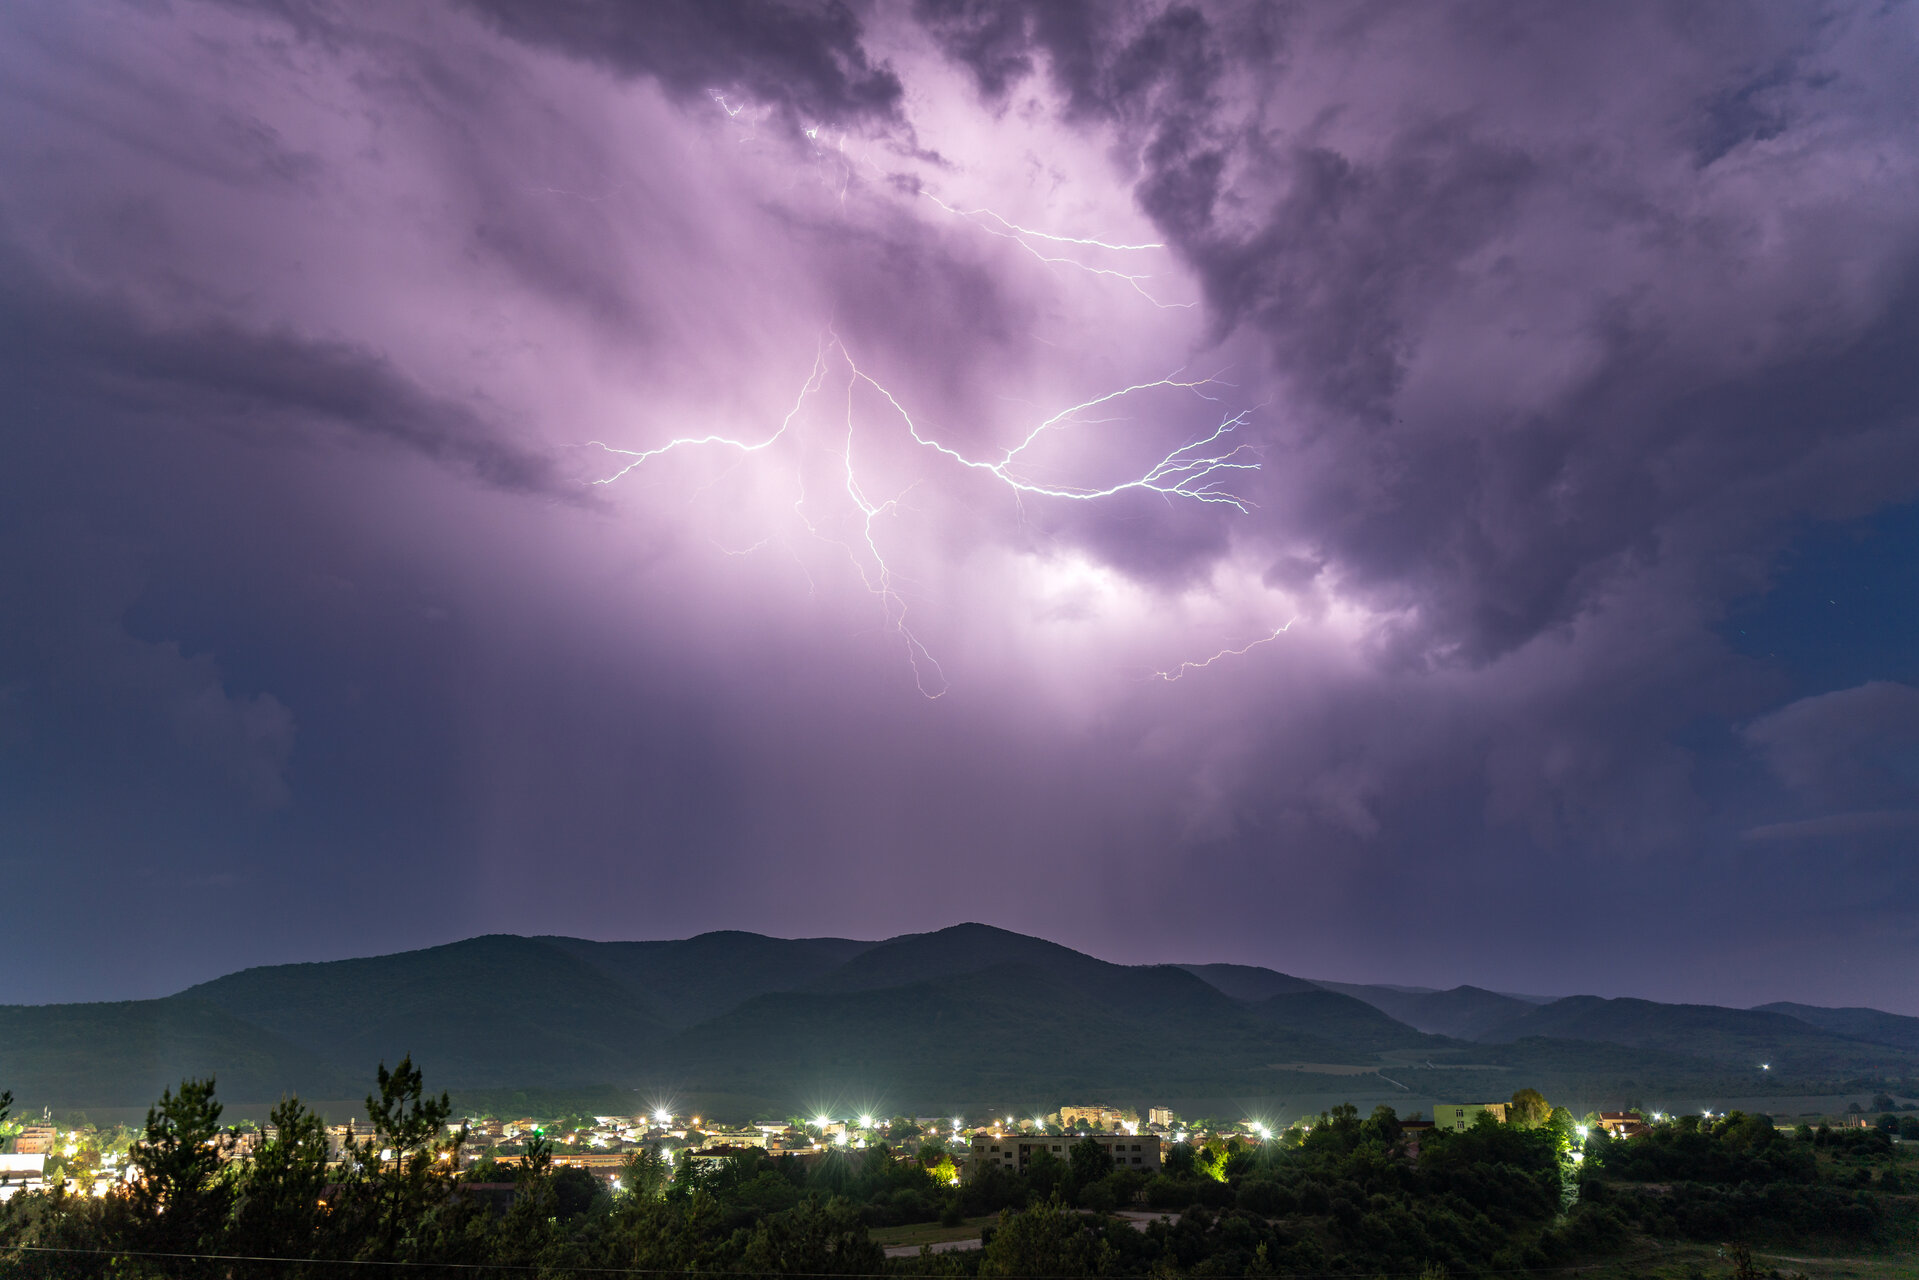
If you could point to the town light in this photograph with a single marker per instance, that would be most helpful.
(1765, 1066)
(1580, 1130)
(956, 1124)
(866, 1122)
(662, 1115)
(820, 1122)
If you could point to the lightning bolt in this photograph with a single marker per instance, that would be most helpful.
(1184, 667)
(1023, 237)
(1198, 471)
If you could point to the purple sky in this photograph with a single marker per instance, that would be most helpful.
(1559, 362)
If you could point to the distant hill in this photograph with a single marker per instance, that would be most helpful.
(1250, 982)
(488, 1012)
(1743, 1038)
(1466, 1013)
(1342, 1020)
(125, 1053)
(974, 948)
(1015, 1032)
(968, 1015)
(1870, 1025)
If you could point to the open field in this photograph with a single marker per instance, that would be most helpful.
(919, 1233)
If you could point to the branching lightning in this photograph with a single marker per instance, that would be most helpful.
(1024, 237)
(1202, 469)
(1198, 471)
(1176, 672)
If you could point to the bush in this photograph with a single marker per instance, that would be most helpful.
(1268, 1198)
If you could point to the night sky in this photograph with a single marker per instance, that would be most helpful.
(1552, 370)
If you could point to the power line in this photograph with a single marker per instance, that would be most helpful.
(1570, 1269)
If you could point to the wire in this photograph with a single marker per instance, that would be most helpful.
(1570, 1269)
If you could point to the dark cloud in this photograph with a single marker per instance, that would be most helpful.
(1854, 747)
(69, 343)
(1350, 251)
(805, 58)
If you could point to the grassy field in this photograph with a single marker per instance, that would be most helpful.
(919, 1233)
(1652, 1260)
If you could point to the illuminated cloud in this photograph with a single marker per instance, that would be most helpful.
(1522, 341)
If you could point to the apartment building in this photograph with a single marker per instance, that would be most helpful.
(1014, 1151)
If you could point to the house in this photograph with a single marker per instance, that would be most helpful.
(20, 1172)
(1623, 1124)
(1461, 1116)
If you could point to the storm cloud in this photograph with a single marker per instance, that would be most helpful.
(1200, 482)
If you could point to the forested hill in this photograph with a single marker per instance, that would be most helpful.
(962, 1016)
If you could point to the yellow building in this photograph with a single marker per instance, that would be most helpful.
(1461, 1116)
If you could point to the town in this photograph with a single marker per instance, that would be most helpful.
(83, 1159)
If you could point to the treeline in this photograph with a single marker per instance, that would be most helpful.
(1345, 1194)
(1739, 1177)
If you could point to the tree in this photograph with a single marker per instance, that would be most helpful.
(1048, 1239)
(1090, 1160)
(278, 1211)
(574, 1191)
(1530, 1109)
(536, 1156)
(645, 1173)
(405, 1163)
(813, 1239)
(6, 1106)
(181, 1196)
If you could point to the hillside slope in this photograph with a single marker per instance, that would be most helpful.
(1871, 1025)
(1749, 1039)
(1466, 1013)
(693, 979)
(125, 1053)
(1342, 1020)
(1012, 1032)
(488, 1012)
(973, 948)
(1250, 982)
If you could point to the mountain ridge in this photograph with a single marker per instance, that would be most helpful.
(925, 1016)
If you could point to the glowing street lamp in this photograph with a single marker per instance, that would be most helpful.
(662, 1115)
(866, 1122)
